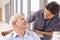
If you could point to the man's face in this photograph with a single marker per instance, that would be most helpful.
(47, 14)
(22, 23)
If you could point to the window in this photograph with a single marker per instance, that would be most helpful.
(58, 1)
(25, 8)
(34, 5)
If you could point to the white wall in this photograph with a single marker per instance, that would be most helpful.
(3, 13)
(3, 26)
(2, 5)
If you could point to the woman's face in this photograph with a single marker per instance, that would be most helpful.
(47, 14)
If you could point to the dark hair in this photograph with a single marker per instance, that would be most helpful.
(54, 7)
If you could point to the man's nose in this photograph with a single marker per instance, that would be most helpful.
(25, 21)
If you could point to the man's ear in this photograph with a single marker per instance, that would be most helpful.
(14, 23)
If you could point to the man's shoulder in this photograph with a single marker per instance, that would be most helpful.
(8, 36)
(32, 33)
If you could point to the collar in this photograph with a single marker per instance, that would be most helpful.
(27, 33)
(15, 34)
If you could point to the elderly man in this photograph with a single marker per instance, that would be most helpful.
(19, 32)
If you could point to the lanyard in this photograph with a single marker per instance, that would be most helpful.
(46, 24)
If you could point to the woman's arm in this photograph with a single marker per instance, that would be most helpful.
(43, 33)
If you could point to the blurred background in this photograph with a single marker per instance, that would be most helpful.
(24, 7)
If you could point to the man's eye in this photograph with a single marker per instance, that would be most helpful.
(22, 19)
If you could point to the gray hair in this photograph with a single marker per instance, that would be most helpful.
(13, 19)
